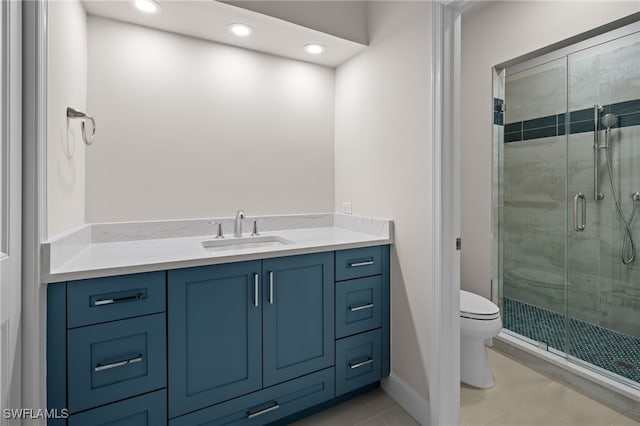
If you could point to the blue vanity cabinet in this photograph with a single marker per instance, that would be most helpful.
(298, 316)
(147, 410)
(214, 334)
(106, 350)
(362, 317)
(248, 343)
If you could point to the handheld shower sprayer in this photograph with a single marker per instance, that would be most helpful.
(609, 120)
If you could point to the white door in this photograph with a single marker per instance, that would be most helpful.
(10, 209)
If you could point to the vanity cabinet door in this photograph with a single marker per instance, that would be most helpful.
(298, 316)
(215, 334)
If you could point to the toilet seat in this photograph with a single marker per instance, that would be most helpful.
(476, 307)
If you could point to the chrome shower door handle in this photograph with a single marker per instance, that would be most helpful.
(579, 218)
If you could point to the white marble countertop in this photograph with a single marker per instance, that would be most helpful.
(100, 250)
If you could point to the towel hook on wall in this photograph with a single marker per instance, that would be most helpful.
(73, 113)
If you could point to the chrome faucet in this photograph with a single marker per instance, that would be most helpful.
(237, 226)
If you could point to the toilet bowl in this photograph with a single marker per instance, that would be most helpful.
(479, 321)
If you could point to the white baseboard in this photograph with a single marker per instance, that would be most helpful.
(410, 400)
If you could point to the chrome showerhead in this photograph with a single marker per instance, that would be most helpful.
(609, 120)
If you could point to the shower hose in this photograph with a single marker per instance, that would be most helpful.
(628, 254)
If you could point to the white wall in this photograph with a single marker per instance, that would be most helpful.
(383, 157)
(492, 33)
(191, 128)
(66, 86)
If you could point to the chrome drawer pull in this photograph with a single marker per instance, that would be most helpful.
(256, 286)
(359, 308)
(355, 265)
(101, 302)
(118, 364)
(271, 287)
(361, 364)
(261, 412)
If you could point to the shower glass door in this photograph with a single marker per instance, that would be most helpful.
(533, 204)
(603, 207)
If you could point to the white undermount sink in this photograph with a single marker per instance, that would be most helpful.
(260, 241)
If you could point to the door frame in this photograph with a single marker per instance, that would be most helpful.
(10, 254)
(444, 367)
(34, 201)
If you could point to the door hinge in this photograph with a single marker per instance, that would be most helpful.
(458, 243)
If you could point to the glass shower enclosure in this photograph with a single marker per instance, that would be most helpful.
(567, 202)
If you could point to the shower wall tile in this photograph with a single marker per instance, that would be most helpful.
(538, 290)
(605, 74)
(533, 222)
(584, 300)
(513, 127)
(535, 171)
(580, 121)
(581, 115)
(544, 132)
(513, 137)
(619, 303)
(623, 108)
(629, 120)
(536, 92)
(536, 123)
(581, 126)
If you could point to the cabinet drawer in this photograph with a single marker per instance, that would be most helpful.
(360, 262)
(358, 305)
(267, 405)
(358, 361)
(112, 298)
(117, 360)
(144, 410)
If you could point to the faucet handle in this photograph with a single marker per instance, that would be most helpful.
(219, 233)
(255, 232)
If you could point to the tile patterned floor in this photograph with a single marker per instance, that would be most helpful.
(523, 397)
(613, 351)
(520, 397)
(375, 408)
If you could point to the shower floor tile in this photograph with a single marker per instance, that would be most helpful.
(604, 348)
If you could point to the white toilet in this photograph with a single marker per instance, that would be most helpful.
(479, 321)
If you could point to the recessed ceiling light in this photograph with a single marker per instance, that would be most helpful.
(314, 49)
(147, 6)
(241, 30)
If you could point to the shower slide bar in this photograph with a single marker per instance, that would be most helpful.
(597, 195)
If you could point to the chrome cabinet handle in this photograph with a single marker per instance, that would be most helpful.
(251, 415)
(101, 302)
(101, 367)
(356, 264)
(360, 364)
(256, 286)
(579, 224)
(271, 287)
(359, 308)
